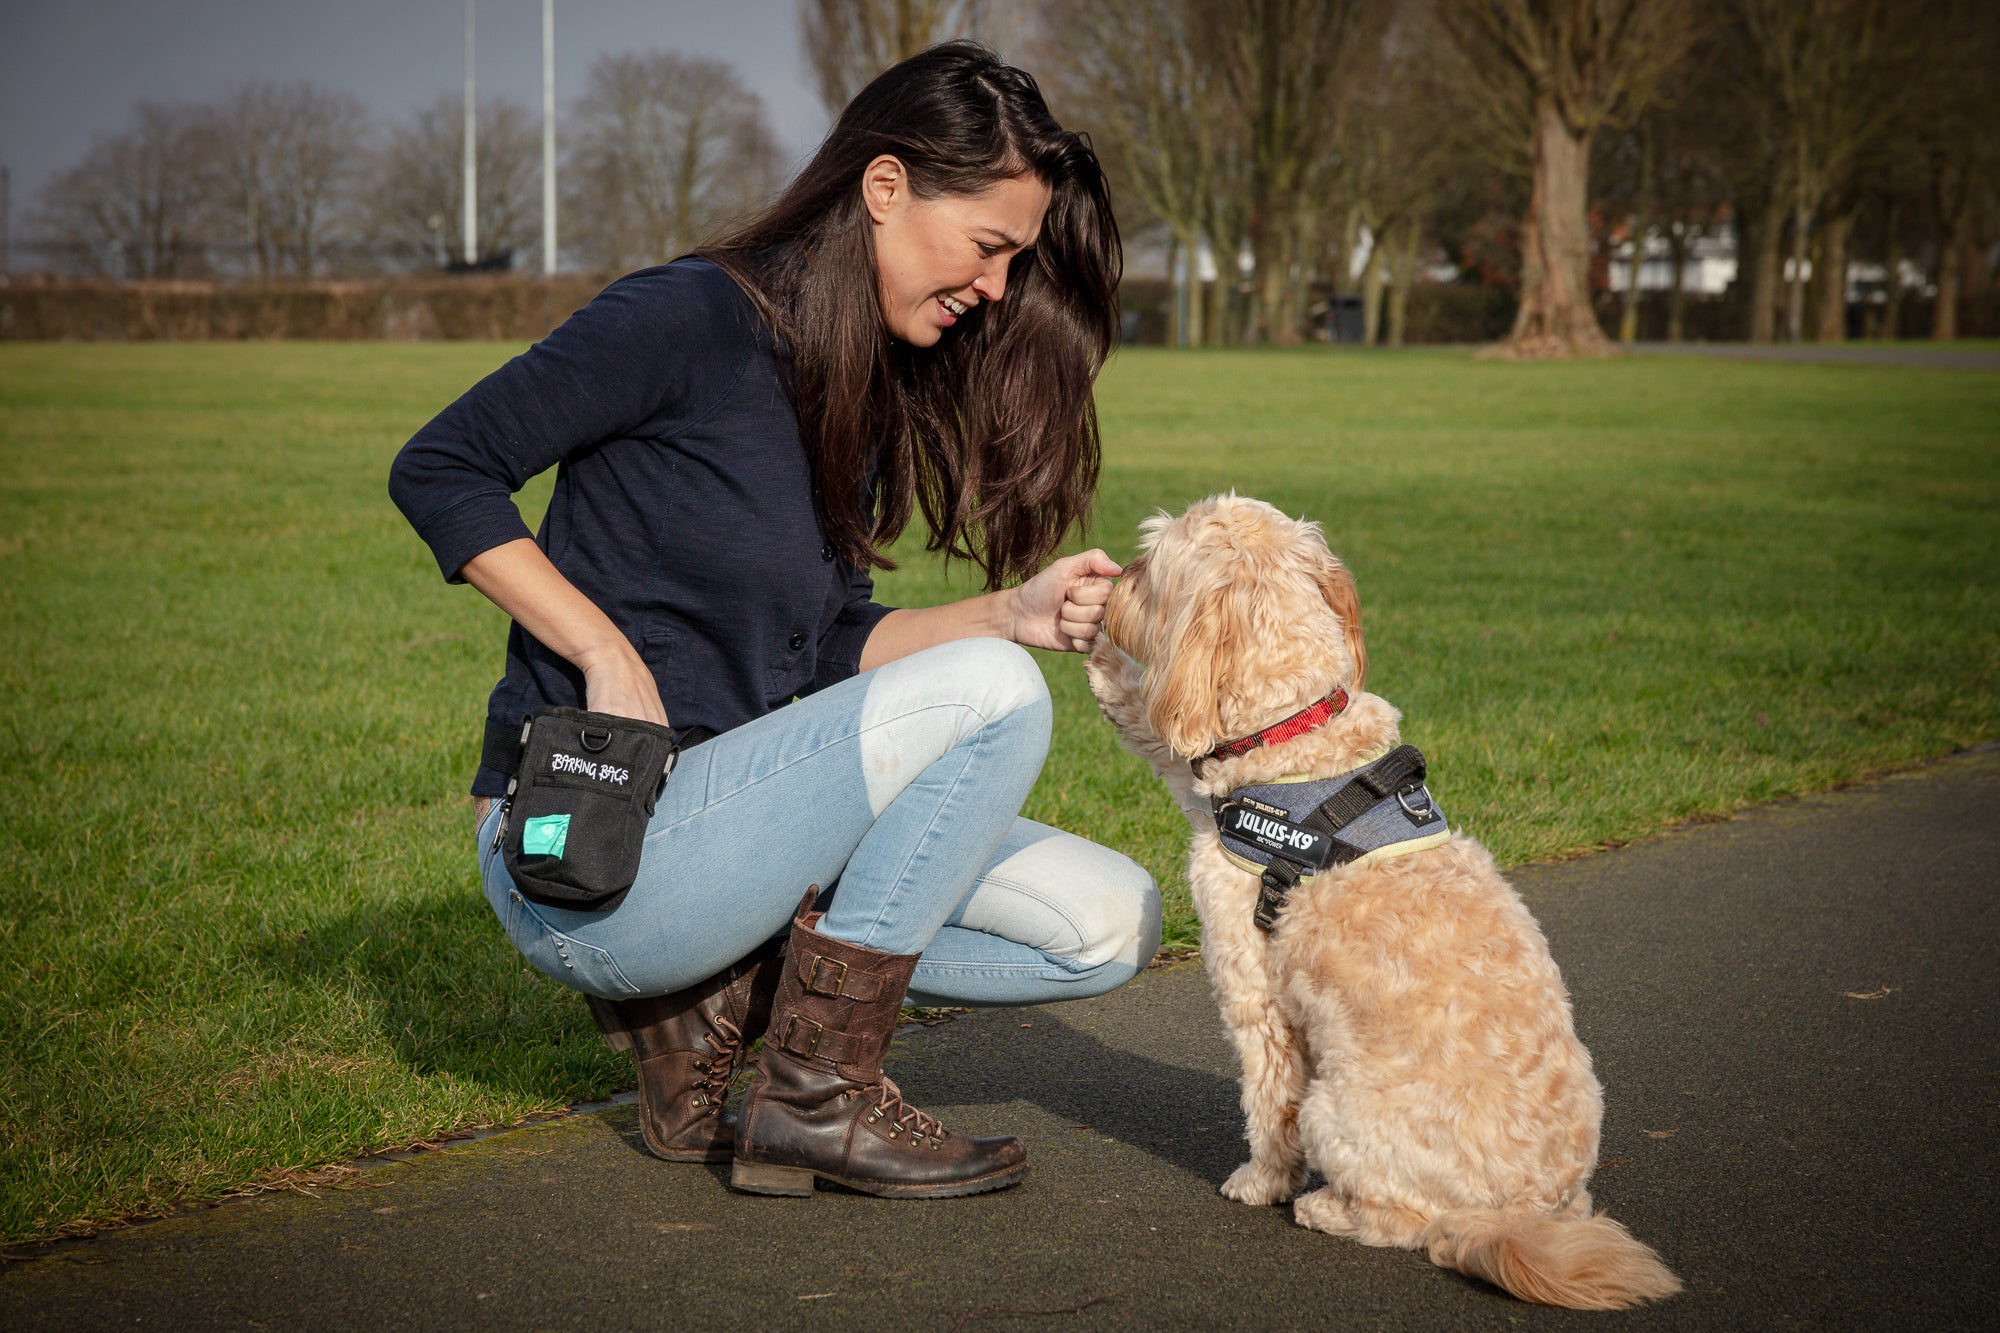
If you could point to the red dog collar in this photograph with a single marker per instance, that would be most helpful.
(1298, 724)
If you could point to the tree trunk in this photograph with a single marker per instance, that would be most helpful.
(1795, 281)
(1556, 318)
(1831, 279)
(1628, 323)
(1944, 324)
(1220, 294)
(1340, 263)
(1371, 296)
(1268, 321)
(1677, 249)
(1764, 272)
(1404, 277)
(1298, 274)
(1892, 305)
(1628, 319)
(1283, 316)
(1196, 326)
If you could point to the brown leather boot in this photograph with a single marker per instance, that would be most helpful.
(689, 1046)
(820, 1105)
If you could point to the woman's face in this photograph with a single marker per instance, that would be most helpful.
(938, 258)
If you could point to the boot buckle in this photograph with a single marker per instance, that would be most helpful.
(839, 980)
(812, 1047)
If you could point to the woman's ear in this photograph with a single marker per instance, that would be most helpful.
(884, 186)
(1336, 585)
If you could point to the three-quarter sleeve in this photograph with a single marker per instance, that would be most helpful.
(638, 358)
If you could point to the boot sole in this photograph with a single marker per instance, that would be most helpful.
(796, 1182)
(690, 1154)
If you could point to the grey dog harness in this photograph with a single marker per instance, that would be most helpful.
(1290, 830)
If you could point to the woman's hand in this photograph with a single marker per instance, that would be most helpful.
(1062, 607)
(617, 682)
(518, 578)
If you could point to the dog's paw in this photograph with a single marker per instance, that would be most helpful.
(1259, 1185)
(1323, 1210)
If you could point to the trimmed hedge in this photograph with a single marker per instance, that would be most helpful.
(419, 308)
(1439, 312)
(519, 308)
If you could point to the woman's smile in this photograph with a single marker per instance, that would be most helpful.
(968, 241)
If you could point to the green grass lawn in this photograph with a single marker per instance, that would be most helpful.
(240, 935)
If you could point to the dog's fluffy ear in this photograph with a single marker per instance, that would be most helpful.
(1181, 693)
(1337, 586)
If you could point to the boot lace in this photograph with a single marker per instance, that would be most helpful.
(889, 1104)
(716, 1072)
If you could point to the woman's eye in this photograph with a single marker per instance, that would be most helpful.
(987, 251)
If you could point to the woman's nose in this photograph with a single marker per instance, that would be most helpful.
(992, 284)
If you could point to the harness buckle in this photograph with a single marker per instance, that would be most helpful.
(1272, 892)
(1270, 901)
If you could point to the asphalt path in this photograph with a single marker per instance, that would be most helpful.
(1792, 1013)
(1922, 355)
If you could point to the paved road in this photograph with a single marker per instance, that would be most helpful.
(1845, 354)
(1792, 1013)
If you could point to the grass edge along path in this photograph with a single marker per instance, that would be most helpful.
(240, 931)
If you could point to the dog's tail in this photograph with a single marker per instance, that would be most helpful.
(1585, 1263)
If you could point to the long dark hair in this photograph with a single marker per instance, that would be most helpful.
(993, 432)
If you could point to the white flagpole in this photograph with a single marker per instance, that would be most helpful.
(548, 136)
(471, 150)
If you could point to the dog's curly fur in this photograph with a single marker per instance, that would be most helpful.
(1403, 1030)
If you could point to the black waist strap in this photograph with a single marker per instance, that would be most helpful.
(501, 750)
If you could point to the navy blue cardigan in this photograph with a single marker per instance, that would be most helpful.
(682, 507)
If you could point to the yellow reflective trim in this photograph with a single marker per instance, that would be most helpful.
(1404, 848)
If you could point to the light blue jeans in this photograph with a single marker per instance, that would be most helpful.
(901, 789)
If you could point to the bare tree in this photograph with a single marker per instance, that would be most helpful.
(665, 149)
(1281, 63)
(1130, 72)
(849, 42)
(1831, 71)
(1734, 127)
(1394, 152)
(1952, 120)
(412, 207)
(1663, 172)
(133, 207)
(1548, 75)
(282, 160)
(1223, 117)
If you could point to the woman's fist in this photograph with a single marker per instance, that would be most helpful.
(1062, 607)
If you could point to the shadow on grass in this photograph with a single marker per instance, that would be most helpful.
(450, 997)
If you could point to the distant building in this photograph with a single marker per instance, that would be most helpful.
(1707, 267)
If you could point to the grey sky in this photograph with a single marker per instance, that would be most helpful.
(70, 69)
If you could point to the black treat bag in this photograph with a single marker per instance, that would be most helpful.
(577, 808)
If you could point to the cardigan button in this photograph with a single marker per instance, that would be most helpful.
(826, 553)
(798, 641)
